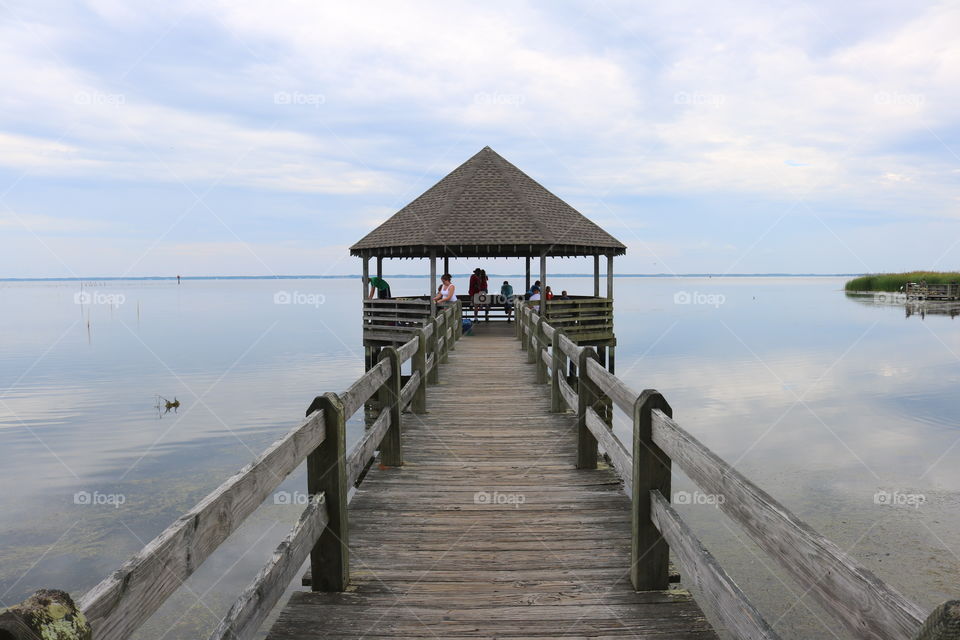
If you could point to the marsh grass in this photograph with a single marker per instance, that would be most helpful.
(893, 281)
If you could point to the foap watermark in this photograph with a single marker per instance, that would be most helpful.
(297, 297)
(698, 497)
(98, 499)
(99, 297)
(899, 499)
(498, 498)
(687, 297)
(297, 98)
(97, 98)
(698, 99)
(291, 497)
(889, 297)
(898, 99)
(495, 98)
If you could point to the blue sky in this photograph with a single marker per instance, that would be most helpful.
(214, 138)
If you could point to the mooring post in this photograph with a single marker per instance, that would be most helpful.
(419, 364)
(541, 349)
(559, 365)
(943, 623)
(48, 613)
(649, 552)
(391, 450)
(433, 377)
(587, 395)
(327, 474)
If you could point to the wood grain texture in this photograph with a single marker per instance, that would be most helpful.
(619, 456)
(489, 530)
(124, 600)
(865, 605)
(700, 568)
(255, 603)
(367, 446)
(364, 388)
(612, 386)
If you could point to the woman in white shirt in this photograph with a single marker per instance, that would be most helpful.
(447, 289)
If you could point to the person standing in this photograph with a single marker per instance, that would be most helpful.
(506, 293)
(447, 290)
(476, 286)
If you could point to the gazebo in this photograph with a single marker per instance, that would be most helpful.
(488, 208)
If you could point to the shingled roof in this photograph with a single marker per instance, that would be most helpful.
(487, 207)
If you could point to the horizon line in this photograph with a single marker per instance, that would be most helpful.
(413, 275)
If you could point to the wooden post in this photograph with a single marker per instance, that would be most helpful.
(611, 359)
(527, 280)
(596, 276)
(419, 363)
(379, 266)
(391, 450)
(610, 276)
(433, 281)
(587, 395)
(454, 324)
(366, 278)
(649, 552)
(446, 265)
(534, 338)
(434, 376)
(327, 474)
(557, 404)
(48, 613)
(602, 355)
(538, 353)
(543, 284)
(447, 337)
(942, 624)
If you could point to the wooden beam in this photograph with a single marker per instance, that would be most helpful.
(379, 266)
(327, 474)
(649, 552)
(366, 278)
(596, 276)
(257, 601)
(391, 451)
(527, 280)
(433, 281)
(543, 284)
(610, 276)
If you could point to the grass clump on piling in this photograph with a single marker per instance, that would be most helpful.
(894, 281)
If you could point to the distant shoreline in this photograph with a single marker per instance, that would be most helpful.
(456, 275)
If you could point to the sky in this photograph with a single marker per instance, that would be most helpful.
(241, 138)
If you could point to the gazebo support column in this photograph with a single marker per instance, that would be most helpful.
(610, 276)
(365, 284)
(596, 276)
(543, 284)
(379, 266)
(433, 281)
(446, 265)
(527, 281)
(366, 277)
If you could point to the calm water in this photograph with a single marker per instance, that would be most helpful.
(829, 403)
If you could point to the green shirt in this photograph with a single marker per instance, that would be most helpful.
(379, 283)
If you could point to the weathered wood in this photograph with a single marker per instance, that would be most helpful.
(433, 371)
(48, 614)
(569, 395)
(408, 349)
(364, 388)
(865, 605)
(410, 390)
(612, 386)
(419, 368)
(649, 554)
(570, 348)
(558, 366)
(257, 601)
(620, 459)
(327, 474)
(942, 624)
(588, 395)
(699, 567)
(391, 449)
(120, 603)
(361, 453)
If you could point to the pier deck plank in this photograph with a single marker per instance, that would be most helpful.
(436, 553)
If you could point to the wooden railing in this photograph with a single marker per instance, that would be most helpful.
(925, 291)
(118, 605)
(866, 606)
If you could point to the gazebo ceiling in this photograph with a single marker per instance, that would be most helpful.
(487, 207)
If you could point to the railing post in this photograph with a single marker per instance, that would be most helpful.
(327, 474)
(48, 613)
(391, 449)
(534, 349)
(447, 337)
(433, 377)
(541, 348)
(649, 552)
(559, 362)
(587, 394)
(943, 623)
(452, 318)
(420, 364)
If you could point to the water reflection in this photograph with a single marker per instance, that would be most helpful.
(911, 307)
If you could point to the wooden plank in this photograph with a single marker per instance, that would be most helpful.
(619, 456)
(409, 390)
(569, 395)
(699, 567)
(257, 601)
(365, 386)
(569, 348)
(612, 386)
(408, 349)
(865, 605)
(361, 453)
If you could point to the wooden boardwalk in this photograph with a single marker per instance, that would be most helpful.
(489, 530)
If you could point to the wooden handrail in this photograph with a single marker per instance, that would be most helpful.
(864, 604)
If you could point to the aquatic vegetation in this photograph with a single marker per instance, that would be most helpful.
(894, 281)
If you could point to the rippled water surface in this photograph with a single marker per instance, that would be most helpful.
(837, 406)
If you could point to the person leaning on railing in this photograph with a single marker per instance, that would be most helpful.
(380, 287)
(447, 289)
